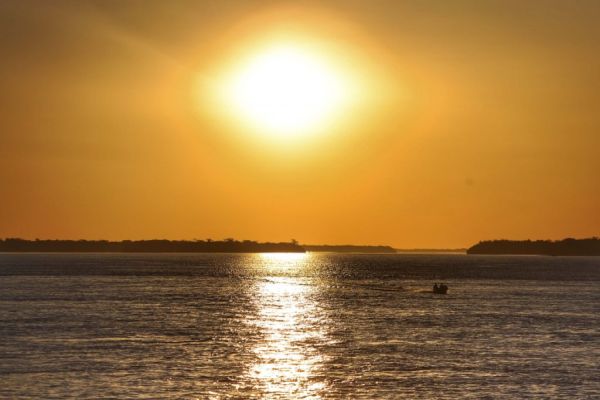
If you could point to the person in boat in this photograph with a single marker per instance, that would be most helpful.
(440, 288)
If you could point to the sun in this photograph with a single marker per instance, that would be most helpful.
(286, 90)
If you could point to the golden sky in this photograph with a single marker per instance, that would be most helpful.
(469, 120)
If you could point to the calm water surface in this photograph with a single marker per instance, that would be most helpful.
(298, 326)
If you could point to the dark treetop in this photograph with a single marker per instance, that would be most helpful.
(565, 247)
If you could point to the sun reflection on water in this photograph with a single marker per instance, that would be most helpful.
(293, 326)
(283, 262)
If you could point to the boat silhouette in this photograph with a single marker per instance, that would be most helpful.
(440, 289)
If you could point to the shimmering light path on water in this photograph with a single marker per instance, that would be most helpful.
(284, 326)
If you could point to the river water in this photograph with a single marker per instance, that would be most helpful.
(298, 326)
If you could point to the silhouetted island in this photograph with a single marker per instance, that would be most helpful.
(565, 247)
(348, 248)
(148, 246)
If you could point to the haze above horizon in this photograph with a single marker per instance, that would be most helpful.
(415, 124)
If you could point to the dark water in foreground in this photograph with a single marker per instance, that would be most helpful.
(298, 326)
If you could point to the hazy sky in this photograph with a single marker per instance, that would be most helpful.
(483, 121)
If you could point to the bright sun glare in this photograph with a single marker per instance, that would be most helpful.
(286, 90)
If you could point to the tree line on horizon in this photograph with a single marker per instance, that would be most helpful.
(153, 245)
(177, 246)
(565, 247)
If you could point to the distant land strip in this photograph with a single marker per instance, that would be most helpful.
(425, 251)
(565, 247)
(18, 245)
(348, 248)
(147, 246)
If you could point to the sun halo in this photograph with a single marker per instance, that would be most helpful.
(286, 91)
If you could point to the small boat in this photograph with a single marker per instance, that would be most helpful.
(441, 289)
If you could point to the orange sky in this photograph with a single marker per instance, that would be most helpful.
(482, 121)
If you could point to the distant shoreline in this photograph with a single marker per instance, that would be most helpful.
(431, 251)
(17, 245)
(349, 248)
(147, 246)
(565, 247)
